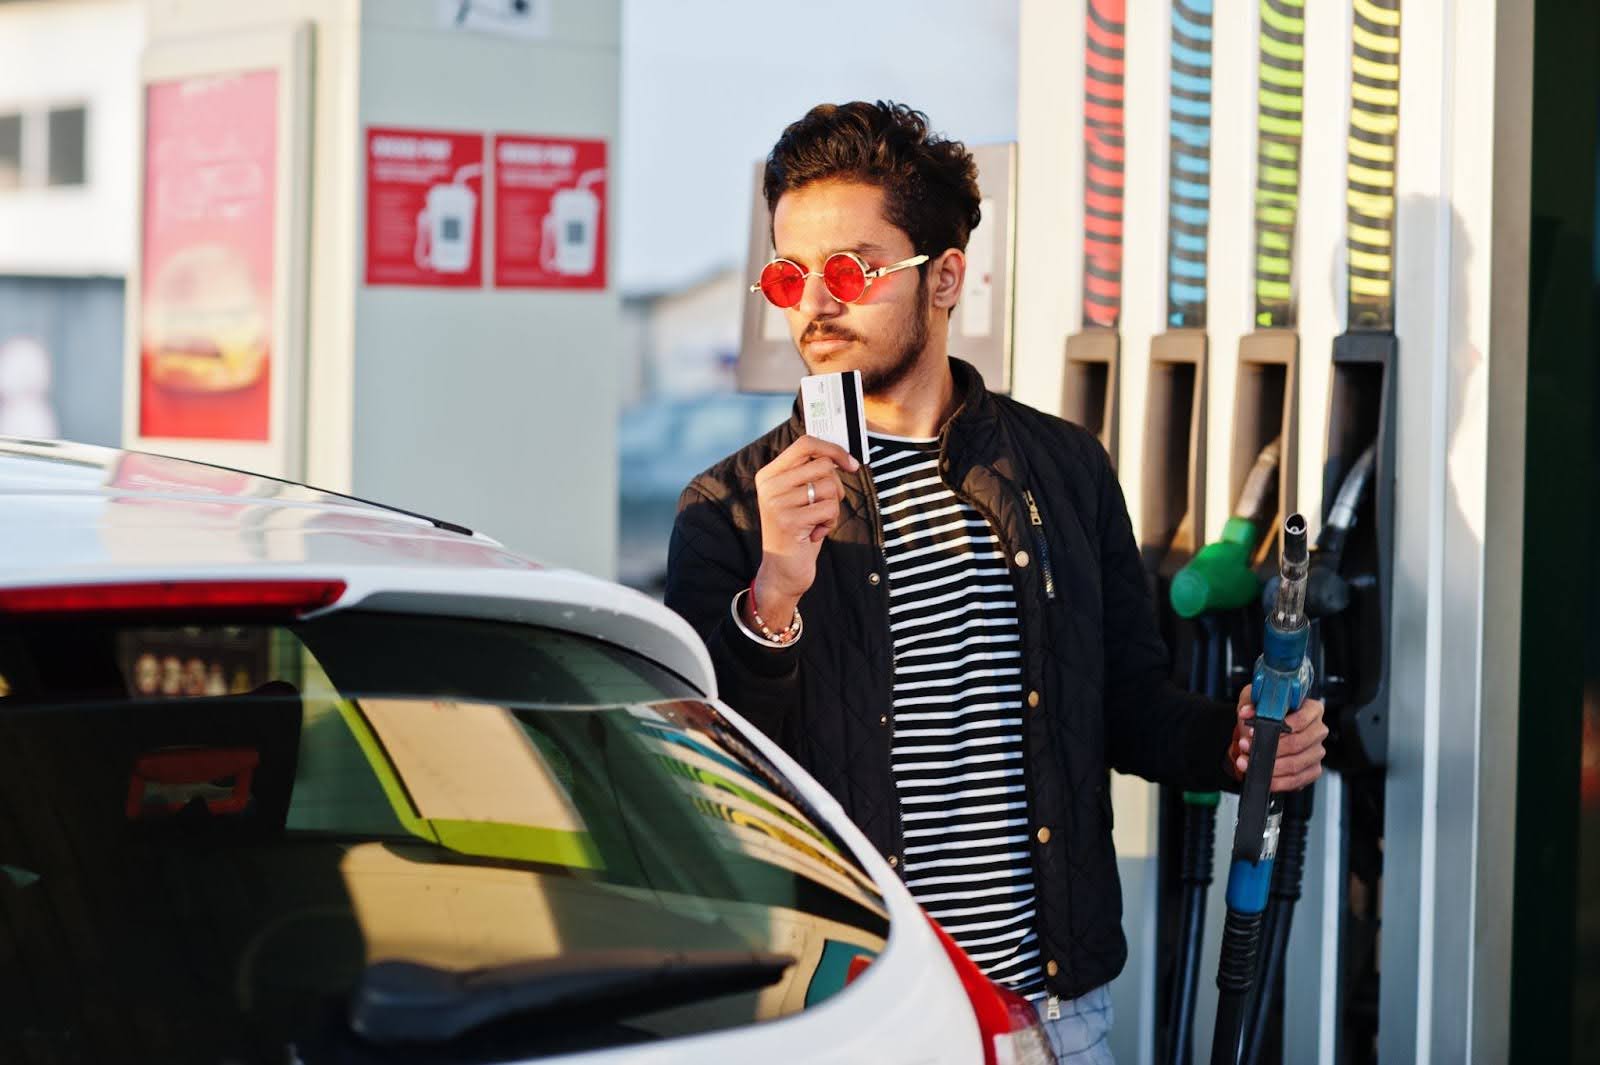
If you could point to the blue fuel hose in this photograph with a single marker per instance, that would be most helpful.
(1282, 680)
(1327, 594)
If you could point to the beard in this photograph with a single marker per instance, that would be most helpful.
(878, 380)
(905, 347)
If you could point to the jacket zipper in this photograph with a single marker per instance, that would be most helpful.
(871, 493)
(1040, 544)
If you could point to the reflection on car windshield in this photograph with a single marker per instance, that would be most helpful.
(214, 836)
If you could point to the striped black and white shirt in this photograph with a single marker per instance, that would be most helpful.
(958, 744)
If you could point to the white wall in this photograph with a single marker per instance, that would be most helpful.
(65, 52)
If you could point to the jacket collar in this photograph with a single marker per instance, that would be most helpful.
(969, 436)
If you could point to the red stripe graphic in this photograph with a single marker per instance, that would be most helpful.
(1101, 176)
(1105, 64)
(1104, 27)
(1104, 286)
(1111, 153)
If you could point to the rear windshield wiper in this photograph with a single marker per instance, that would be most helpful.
(408, 1002)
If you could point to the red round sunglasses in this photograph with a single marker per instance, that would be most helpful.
(844, 274)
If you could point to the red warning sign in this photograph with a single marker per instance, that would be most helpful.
(549, 215)
(424, 208)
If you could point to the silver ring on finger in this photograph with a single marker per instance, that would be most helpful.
(811, 493)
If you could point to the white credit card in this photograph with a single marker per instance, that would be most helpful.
(834, 411)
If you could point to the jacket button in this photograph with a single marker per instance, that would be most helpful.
(1033, 698)
(894, 861)
(873, 578)
(1051, 968)
(1044, 835)
(1021, 559)
(883, 719)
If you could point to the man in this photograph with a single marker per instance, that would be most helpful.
(956, 640)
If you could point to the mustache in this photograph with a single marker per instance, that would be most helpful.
(819, 331)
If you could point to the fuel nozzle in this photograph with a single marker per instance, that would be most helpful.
(1220, 576)
(1328, 593)
(1289, 606)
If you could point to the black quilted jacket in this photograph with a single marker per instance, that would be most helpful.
(1094, 666)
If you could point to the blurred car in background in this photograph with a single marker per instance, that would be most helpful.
(662, 445)
(290, 777)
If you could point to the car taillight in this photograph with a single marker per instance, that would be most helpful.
(260, 597)
(1007, 1023)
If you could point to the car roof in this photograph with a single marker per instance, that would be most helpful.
(80, 514)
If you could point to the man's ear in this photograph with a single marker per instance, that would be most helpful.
(945, 275)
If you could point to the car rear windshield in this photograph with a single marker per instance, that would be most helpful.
(373, 837)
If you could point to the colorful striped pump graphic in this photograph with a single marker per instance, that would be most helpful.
(1105, 39)
(1189, 154)
(1280, 107)
(1370, 197)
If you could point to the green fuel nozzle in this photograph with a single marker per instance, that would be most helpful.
(1220, 577)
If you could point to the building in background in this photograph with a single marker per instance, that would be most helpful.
(68, 159)
(683, 340)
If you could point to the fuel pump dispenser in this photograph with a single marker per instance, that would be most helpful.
(1348, 588)
(1361, 416)
(1089, 383)
(1269, 357)
(1173, 504)
(1264, 406)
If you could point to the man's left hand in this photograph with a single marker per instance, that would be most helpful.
(1300, 750)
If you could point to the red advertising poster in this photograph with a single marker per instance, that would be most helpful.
(206, 288)
(424, 208)
(549, 212)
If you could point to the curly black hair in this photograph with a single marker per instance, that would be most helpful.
(930, 183)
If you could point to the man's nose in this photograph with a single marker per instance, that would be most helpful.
(816, 301)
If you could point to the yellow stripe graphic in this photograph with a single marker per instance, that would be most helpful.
(1370, 164)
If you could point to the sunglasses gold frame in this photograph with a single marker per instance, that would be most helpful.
(869, 273)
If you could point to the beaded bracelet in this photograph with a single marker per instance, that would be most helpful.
(781, 639)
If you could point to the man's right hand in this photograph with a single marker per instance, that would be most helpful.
(792, 526)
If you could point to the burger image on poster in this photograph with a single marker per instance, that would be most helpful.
(205, 323)
(25, 408)
(572, 229)
(445, 225)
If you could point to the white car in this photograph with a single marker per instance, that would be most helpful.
(290, 777)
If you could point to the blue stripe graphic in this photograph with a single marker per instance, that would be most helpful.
(1189, 174)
